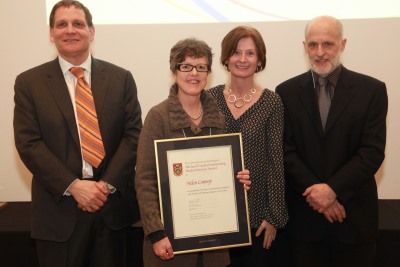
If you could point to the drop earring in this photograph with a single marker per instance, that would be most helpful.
(258, 69)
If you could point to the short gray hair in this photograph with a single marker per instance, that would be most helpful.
(189, 47)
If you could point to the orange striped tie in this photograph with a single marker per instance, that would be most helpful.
(91, 142)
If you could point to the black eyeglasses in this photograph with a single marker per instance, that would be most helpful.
(188, 67)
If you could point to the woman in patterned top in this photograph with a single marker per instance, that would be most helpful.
(258, 114)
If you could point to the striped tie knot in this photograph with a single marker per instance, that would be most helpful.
(78, 72)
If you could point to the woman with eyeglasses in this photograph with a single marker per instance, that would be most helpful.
(188, 111)
(258, 114)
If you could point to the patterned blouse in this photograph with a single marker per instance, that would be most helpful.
(262, 132)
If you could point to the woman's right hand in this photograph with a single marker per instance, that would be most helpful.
(244, 177)
(269, 233)
(163, 249)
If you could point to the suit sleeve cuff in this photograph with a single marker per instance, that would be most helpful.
(156, 236)
(66, 192)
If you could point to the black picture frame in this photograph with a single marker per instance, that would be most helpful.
(204, 241)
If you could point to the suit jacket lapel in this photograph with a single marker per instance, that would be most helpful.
(58, 88)
(99, 87)
(309, 100)
(344, 94)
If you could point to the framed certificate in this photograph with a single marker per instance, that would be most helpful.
(203, 205)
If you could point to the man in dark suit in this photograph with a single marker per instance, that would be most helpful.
(334, 144)
(80, 210)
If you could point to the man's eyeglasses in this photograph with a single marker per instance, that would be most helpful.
(188, 68)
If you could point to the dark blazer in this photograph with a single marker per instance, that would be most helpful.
(345, 157)
(47, 140)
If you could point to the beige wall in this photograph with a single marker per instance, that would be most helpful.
(372, 48)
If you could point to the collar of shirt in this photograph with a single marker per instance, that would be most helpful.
(86, 65)
(332, 77)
